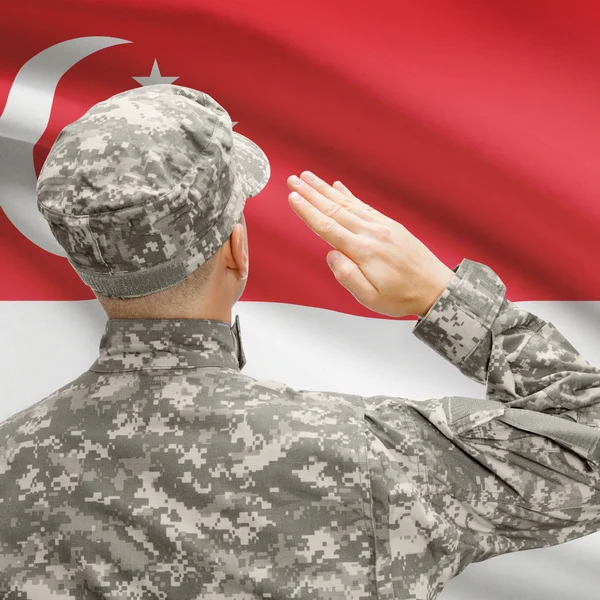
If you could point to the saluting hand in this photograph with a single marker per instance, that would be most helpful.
(384, 266)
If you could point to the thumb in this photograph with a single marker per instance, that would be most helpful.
(350, 276)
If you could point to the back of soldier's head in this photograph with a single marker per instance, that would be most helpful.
(145, 188)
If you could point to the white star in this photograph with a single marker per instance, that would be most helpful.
(154, 77)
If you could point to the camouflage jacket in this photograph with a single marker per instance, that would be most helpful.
(163, 472)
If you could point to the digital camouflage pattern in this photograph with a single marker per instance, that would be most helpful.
(164, 472)
(146, 186)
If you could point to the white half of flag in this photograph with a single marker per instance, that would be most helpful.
(47, 344)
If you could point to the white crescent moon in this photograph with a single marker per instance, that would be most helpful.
(22, 124)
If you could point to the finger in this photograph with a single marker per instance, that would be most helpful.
(349, 202)
(334, 210)
(346, 198)
(351, 277)
(338, 185)
(325, 227)
(368, 213)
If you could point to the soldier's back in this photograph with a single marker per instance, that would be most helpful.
(153, 477)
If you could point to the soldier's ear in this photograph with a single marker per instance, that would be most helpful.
(236, 257)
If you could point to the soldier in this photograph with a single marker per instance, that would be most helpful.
(165, 472)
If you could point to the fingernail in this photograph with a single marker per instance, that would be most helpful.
(308, 176)
(340, 185)
(295, 180)
(332, 259)
(295, 197)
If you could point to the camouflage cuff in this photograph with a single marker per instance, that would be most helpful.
(463, 314)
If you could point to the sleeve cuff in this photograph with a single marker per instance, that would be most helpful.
(461, 317)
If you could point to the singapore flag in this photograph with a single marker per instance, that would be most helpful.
(476, 125)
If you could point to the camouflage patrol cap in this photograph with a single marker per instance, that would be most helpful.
(146, 186)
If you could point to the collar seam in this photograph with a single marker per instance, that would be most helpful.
(152, 368)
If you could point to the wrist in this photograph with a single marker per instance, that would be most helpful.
(434, 292)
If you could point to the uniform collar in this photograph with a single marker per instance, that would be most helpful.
(139, 344)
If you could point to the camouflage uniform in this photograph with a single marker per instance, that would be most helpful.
(164, 472)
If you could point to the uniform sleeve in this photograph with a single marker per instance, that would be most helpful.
(520, 468)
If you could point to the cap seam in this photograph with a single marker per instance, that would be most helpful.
(96, 245)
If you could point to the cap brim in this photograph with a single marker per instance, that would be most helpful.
(252, 165)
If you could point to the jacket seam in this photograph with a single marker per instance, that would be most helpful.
(364, 475)
(422, 469)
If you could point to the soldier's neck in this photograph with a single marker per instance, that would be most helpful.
(206, 309)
